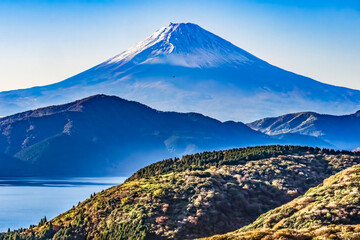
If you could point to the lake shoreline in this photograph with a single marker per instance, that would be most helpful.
(24, 201)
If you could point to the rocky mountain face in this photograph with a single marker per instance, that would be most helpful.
(182, 67)
(341, 131)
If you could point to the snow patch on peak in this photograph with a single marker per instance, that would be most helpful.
(149, 42)
(183, 44)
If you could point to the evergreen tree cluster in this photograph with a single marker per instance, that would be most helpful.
(201, 161)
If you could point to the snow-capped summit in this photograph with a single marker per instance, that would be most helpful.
(183, 67)
(184, 44)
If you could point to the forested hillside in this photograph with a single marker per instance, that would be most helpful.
(328, 211)
(197, 196)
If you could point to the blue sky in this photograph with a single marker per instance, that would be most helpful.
(43, 42)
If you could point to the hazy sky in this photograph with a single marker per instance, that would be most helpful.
(43, 42)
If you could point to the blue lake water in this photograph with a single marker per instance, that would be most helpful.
(24, 201)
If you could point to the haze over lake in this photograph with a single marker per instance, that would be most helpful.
(24, 201)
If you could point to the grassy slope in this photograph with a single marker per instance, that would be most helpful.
(328, 211)
(198, 196)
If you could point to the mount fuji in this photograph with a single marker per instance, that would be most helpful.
(182, 67)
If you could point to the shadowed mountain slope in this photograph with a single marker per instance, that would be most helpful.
(104, 135)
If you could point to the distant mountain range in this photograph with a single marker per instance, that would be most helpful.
(343, 132)
(106, 135)
(184, 68)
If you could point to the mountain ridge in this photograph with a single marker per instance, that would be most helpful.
(100, 135)
(342, 131)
